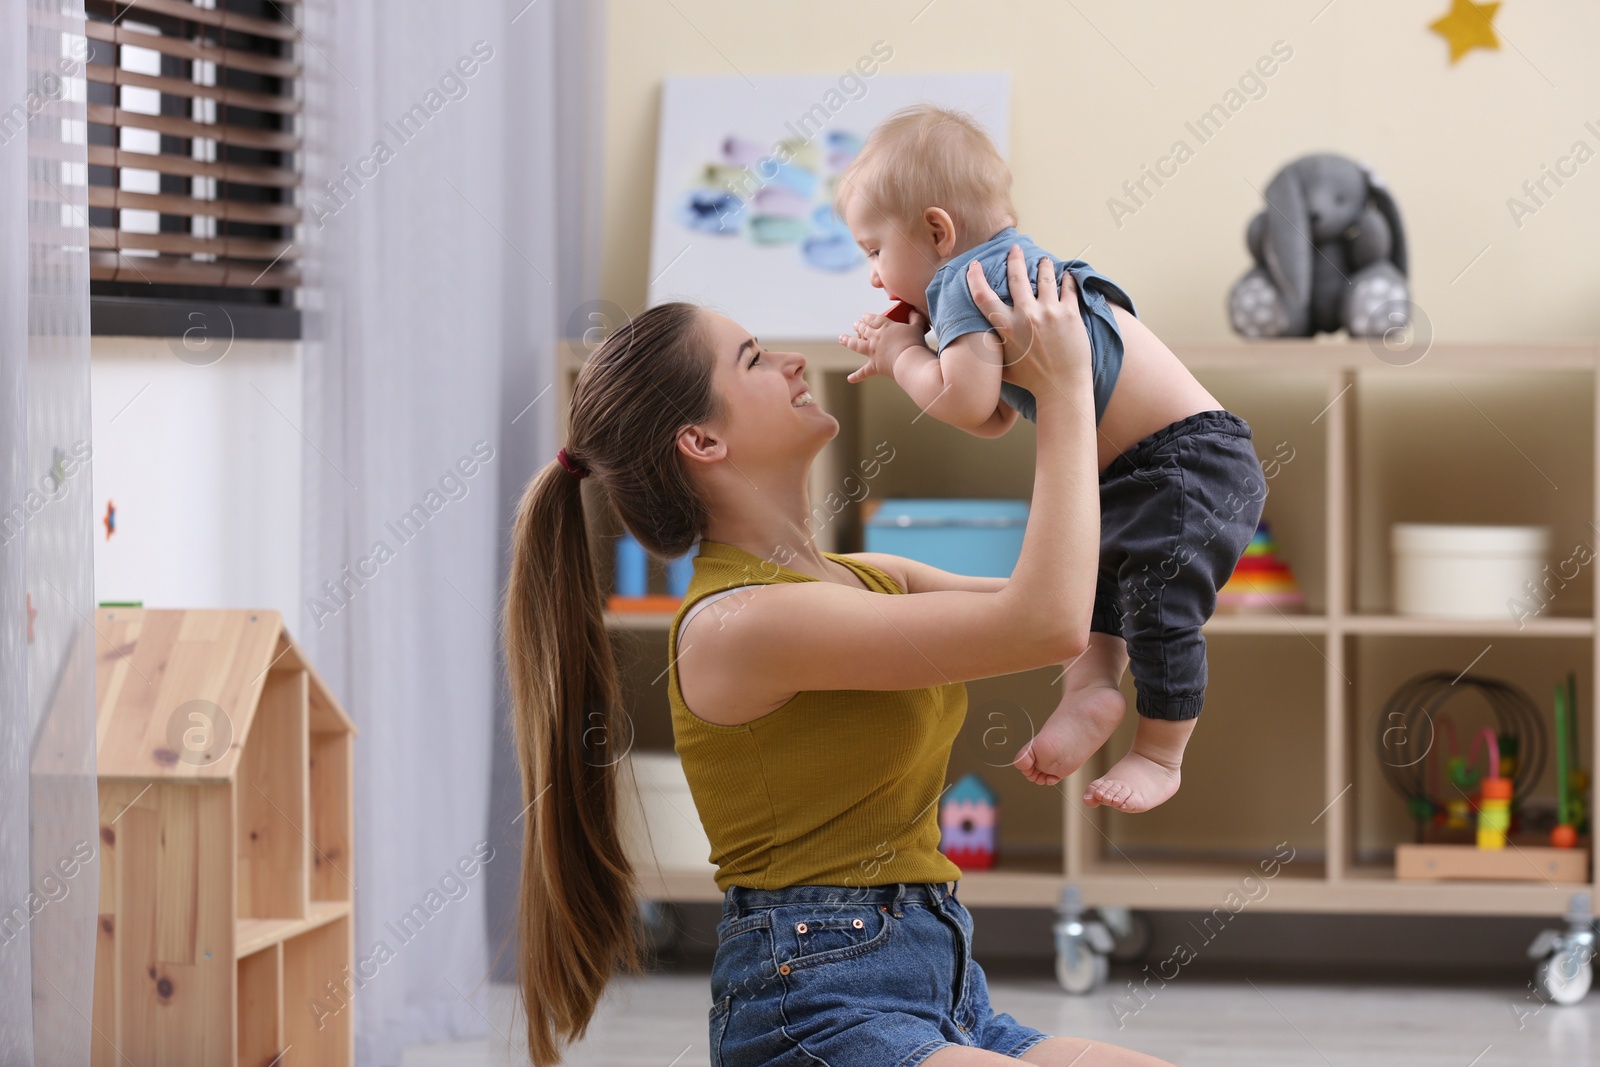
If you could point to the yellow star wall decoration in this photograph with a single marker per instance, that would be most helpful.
(1466, 27)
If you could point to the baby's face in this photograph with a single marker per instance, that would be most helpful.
(900, 255)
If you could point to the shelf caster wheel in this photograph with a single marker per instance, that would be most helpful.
(661, 926)
(1082, 947)
(1130, 933)
(1081, 970)
(1565, 977)
(1566, 958)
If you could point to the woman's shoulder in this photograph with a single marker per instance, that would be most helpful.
(726, 566)
(915, 576)
(890, 571)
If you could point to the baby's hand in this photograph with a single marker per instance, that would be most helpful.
(880, 340)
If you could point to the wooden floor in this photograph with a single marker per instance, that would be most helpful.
(1196, 1021)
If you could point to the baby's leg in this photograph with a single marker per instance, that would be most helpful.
(1090, 709)
(1182, 531)
(1148, 774)
(1169, 675)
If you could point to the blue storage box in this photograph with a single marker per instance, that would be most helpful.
(976, 537)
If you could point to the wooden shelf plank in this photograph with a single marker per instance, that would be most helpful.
(253, 935)
(638, 620)
(1324, 354)
(1302, 886)
(1221, 624)
(260, 1006)
(1010, 889)
(996, 888)
(1343, 354)
(1338, 683)
(1266, 624)
(1420, 626)
(678, 886)
(1299, 886)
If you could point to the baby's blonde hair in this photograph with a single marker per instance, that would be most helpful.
(925, 156)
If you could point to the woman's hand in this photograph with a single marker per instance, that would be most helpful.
(1043, 336)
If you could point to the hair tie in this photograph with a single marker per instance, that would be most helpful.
(571, 467)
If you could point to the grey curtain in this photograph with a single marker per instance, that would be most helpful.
(431, 314)
(555, 141)
(49, 834)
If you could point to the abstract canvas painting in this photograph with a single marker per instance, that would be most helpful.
(745, 176)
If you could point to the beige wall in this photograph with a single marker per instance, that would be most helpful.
(1092, 104)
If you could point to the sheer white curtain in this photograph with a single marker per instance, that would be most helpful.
(554, 148)
(429, 311)
(49, 826)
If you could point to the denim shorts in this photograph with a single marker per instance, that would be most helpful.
(1177, 510)
(850, 976)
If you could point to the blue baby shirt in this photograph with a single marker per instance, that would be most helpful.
(952, 313)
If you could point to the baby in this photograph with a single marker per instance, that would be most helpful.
(1181, 489)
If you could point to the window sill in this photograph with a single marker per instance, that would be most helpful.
(119, 316)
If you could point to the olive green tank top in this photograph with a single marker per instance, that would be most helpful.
(836, 787)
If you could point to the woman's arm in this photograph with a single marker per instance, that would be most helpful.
(915, 576)
(822, 635)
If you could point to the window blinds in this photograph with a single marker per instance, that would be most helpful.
(193, 149)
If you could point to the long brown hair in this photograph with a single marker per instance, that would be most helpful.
(576, 922)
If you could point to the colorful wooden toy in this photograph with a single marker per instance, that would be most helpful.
(1261, 582)
(632, 578)
(967, 824)
(1423, 759)
(1494, 812)
(1572, 784)
(680, 571)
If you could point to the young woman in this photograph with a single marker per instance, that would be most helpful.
(814, 710)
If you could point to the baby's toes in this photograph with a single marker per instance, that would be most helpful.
(1112, 792)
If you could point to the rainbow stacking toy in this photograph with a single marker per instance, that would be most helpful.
(1261, 582)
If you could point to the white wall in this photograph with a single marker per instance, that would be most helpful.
(203, 463)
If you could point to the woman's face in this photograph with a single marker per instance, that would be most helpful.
(767, 410)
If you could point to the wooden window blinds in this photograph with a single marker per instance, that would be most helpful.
(194, 141)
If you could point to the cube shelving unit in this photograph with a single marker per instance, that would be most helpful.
(1357, 437)
(226, 836)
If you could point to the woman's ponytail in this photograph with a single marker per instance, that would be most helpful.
(576, 913)
(576, 916)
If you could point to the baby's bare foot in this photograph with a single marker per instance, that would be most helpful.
(1073, 732)
(1136, 783)
(1148, 774)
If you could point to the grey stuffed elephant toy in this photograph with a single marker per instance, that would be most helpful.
(1330, 254)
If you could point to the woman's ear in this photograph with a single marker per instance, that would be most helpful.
(941, 231)
(701, 444)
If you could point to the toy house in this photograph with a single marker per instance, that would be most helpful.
(966, 824)
(226, 823)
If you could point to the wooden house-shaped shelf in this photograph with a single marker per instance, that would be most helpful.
(226, 832)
